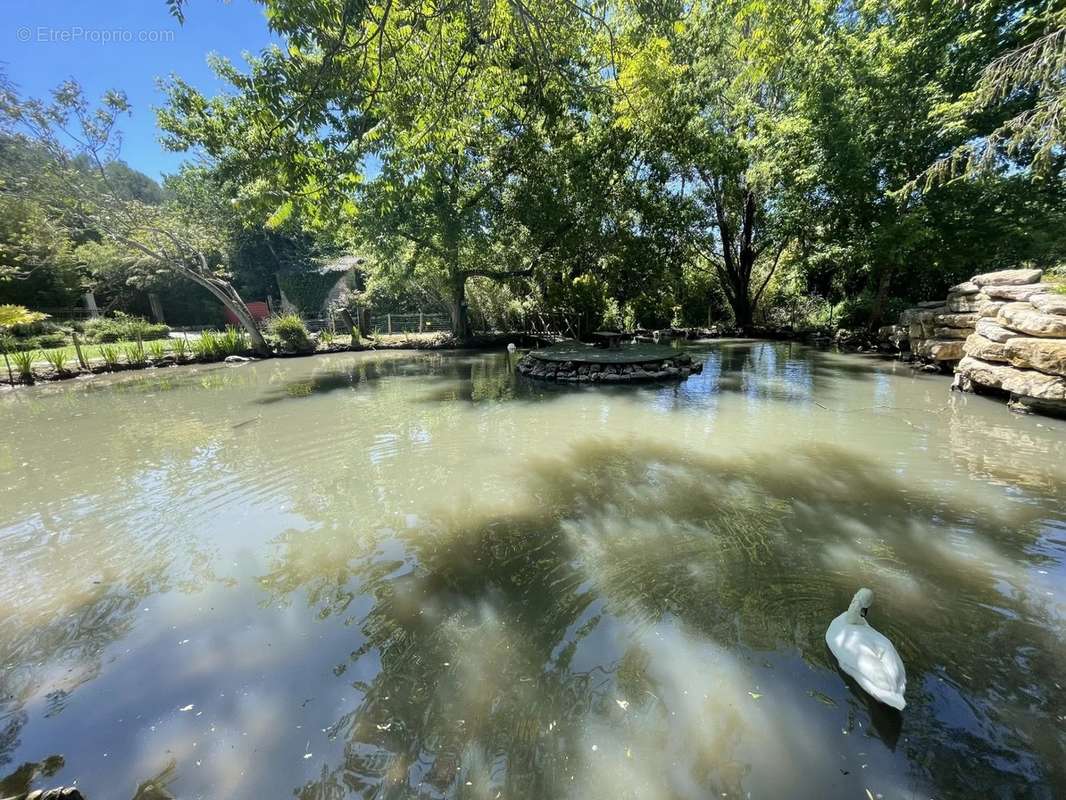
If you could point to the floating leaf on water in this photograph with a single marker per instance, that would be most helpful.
(821, 698)
(623, 704)
(189, 707)
(308, 755)
(755, 695)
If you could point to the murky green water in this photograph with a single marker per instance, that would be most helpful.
(397, 575)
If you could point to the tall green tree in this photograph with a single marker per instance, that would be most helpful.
(73, 144)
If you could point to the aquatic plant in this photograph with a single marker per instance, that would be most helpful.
(327, 337)
(23, 361)
(134, 353)
(157, 351)
(109, 353)
(56, 359)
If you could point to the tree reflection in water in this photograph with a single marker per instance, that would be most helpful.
(636, 594)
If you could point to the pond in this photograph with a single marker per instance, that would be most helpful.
(417, 575)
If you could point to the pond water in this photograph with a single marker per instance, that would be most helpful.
(416, 575)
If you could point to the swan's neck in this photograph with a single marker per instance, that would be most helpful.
(854, 615)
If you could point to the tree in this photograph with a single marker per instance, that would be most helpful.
(1027, 85)
(716, 117)
(73, 145)
(455, 108)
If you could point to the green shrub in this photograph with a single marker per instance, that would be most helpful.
(23, 361)
(44, 341)
(109, 353)
(123, 327)
(290, 332)
(57, 360)
(327, 337)
(180, 349)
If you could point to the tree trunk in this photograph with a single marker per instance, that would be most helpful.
(458, 309)
(877, 313)
(227, 295)
(743, 313)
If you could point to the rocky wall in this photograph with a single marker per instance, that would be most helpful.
(1018, 345)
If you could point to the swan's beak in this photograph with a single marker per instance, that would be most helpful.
(864, 612)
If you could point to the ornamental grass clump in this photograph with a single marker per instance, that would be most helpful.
(290, 333)
(157, 351)
(57, 360)
(23, 361)
(207, 347)
(134, 353)
(179, 348)
(233, 342)
(109, 353)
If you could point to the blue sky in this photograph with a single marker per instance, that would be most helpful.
(43, 42)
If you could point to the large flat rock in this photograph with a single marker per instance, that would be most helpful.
(1050, 303)
(1046, 355)
(955, 320)
(990, 329)
(1023, 382)
(952, 333)
(963, 304)
(966, 287)
(978, 346)
(990, 308)
(1022, 317)
(1008, 277)
(943, 350)
(1015, 293)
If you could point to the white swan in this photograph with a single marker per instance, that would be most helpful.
(867, 655)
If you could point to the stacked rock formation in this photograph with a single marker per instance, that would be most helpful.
(936, 330)
(1018, 346)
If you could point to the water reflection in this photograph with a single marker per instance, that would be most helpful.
(420, 576)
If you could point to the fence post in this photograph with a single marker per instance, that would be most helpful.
(77, 349)
(420, 328)
(388, 317)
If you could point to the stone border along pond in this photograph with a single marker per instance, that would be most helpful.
(574, 362)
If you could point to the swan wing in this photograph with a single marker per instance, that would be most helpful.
(869, 657)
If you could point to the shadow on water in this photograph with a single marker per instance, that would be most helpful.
(634, 579)
(640, 620)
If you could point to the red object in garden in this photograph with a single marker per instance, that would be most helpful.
(258, 309)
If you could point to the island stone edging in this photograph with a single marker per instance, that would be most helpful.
(675, 367)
